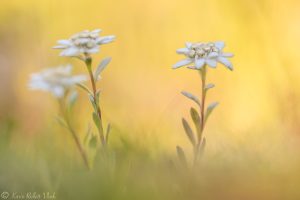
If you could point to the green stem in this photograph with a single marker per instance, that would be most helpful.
(73, 132)
(203, 91)
(202, 111)
(88, 63)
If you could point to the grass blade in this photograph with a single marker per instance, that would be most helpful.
(107, 133)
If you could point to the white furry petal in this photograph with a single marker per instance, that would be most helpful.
(225, 62)
(182, 63)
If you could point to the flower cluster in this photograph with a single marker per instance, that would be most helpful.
(85, 42)
(55, 80)
(200, 54)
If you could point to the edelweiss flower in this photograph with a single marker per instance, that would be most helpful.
(204, 53)
(55, 80)
(85, 42)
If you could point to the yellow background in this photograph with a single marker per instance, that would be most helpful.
(140, 92)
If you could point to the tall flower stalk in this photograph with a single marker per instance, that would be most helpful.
(65, 121)
(199, 56)
(82, 45)
(94, 98)
(61, 83)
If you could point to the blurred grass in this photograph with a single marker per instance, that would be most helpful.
(253, 137)
(129, 171)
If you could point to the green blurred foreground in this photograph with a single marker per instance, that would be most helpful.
(130, 171)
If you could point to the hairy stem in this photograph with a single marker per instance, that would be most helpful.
(202, 112)
(88, 63)
(203, 91)
(74, 134)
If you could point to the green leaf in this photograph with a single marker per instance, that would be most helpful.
(188, 131)
(191, 96)
(197, 121)
(101, 67)
(181, 155)
(98, 96)
(97, 121)
(209, 110)
(88, 134)
(209, 86)
(61, 122)
(85, 88)
(91, 98)
(93, 142)
(72, 99)
(107, 133)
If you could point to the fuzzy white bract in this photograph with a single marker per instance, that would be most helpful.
(85, 42)
(55, 80)
(199, 54)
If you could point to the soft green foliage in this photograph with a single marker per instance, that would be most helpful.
(181, 155)
(129, 171)
(199, 120)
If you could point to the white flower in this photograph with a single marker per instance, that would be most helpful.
(55, 80)
(85, 42)
(200, 54)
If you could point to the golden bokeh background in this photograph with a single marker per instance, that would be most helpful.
(252, 137)
(141, 93)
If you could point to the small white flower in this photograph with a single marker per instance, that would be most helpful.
(85, 42)
(55, 80)
(200, 54)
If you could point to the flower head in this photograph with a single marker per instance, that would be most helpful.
(55, 80)
(200, 54)
(85, 42)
